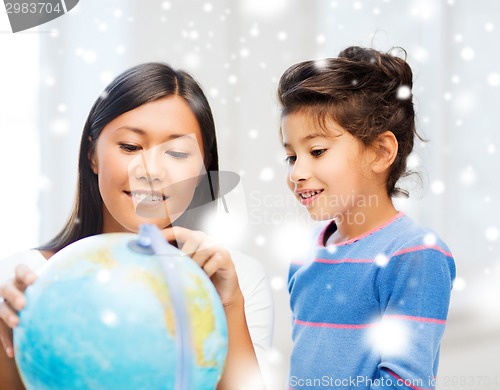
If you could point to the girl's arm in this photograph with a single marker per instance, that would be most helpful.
(415, 291)
(241, 368)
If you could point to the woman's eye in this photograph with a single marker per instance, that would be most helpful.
(318, 152)
(179, 155)
(130, 148)
(290, 159)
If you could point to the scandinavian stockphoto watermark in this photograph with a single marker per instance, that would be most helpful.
(24, 14)
(276, 209)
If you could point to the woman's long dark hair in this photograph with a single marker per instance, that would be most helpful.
(136, 86)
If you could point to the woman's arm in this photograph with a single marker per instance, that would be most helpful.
(241, 368)
(259, 309)
(9, 376)
(11, 300)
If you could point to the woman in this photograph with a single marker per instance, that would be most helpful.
(146, 147)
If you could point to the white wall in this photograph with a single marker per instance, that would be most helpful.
(238, 50)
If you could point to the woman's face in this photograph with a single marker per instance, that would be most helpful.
(148, 162)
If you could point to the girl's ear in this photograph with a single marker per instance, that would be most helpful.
(91, 156)
(386, 150)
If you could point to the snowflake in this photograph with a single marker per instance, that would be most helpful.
(44, 183)
(254, 31)
(282, 36)
(459, 284)
(430, 239)
(489, 27)
(50, 81)
(253, 133)
(413, 161)
(266, 174)
(106, 77)
(389, 337)
(438, 187)
(420, 54)
(494, 79)
(260, 240)
(244, 52)
(109, 318)
(277, 283)
(404, 92)
(467, 53)
(468, 176)
(331, 248)
(492, 233)
(59, 126)
(381, 260)
(103, 276)
(357, 5)
(320, 64)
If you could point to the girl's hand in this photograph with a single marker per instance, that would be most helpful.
(12, 300)
(215, 261)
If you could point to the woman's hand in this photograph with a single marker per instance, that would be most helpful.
(241, 369)
(212, 258)
(12, 300)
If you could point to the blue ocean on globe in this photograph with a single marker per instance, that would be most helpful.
(103, 316)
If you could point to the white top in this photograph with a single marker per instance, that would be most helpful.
(252, 279)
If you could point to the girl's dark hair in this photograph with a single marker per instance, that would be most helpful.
(365, 91)
(136, 86)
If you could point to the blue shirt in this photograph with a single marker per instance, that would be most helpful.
(370, 313)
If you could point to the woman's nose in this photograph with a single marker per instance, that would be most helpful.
(151, 166)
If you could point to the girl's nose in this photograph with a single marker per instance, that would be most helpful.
(299, 172)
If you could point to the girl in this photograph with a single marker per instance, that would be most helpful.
(370, 310)
(148, 142)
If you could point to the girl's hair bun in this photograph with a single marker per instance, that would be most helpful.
(396, 69)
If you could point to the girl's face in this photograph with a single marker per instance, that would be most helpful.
(148, 162)
(328, 173)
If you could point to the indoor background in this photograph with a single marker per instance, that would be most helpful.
(237, 50)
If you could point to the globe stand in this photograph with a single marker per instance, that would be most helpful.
(152, 242)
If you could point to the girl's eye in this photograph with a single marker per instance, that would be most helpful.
(179, 155)
(130, 148)
(290, 159)
(318, 152)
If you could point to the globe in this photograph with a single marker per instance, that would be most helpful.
(107, 312)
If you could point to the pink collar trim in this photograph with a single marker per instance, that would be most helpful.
(350, 241)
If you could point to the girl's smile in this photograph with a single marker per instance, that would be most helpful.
(328, 172)
(307, 196)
